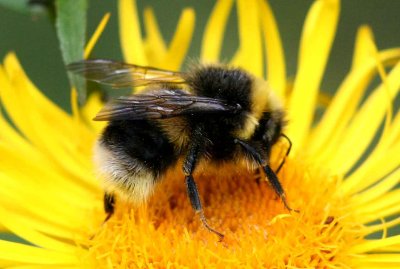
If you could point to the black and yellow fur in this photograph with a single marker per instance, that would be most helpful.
(134, 155)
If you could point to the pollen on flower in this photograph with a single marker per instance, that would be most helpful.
(258, 230)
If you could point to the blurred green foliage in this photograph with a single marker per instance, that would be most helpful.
(31, 33)
(22, 6)
(71, 30)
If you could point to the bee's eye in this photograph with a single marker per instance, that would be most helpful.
(275, 130)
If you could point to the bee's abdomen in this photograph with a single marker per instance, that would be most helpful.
(131, 156)
(142, 141)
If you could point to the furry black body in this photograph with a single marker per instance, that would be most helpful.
(146, 141)
(142, 142)
(212, 114)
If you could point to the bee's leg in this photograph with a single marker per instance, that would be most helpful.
(276, 185)
(193, 193)
(109, 203)
(196, 203)
(287, 153)
(271, 176)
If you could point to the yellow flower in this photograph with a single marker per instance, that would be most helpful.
(50, 198)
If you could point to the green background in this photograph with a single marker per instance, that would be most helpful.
(32, 36)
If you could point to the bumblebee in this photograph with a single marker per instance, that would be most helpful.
(209, 116)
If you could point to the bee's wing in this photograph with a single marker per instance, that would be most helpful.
(122, 75)
(162, 104)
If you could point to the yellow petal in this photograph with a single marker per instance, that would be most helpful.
(365, 124)
(237, 58)
(60, 211)
(89, 111)
(42, 266)
(15, 150)
(381, 207)
(381, 202)
(372, 245)
(316, 42)
(35, 115)
(42, 225)
(74, 104)
(347, 96)
(250, 37)
(96, 35)
(24, 231)
(275, 58)
(11, 251)
(364, 46)
(382, 144)
(383, 226)
(323, 141)
(11, 137)
(378, 261)
(376, 166)
(16, 79)
(130, 34)
(154, 43)
(214, 31)
(41, 170)
(379, 189)
(394, 133)
(181, 41)
(368, 264)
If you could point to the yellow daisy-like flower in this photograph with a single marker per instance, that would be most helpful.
(50, 198)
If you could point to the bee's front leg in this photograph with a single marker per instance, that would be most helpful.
(271, 175)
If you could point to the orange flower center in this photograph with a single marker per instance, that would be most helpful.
(258, 230)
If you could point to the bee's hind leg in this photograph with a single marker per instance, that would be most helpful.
(109, 205)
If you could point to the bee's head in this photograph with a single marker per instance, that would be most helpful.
(269, 128)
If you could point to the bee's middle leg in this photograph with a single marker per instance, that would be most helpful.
(191, 187)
